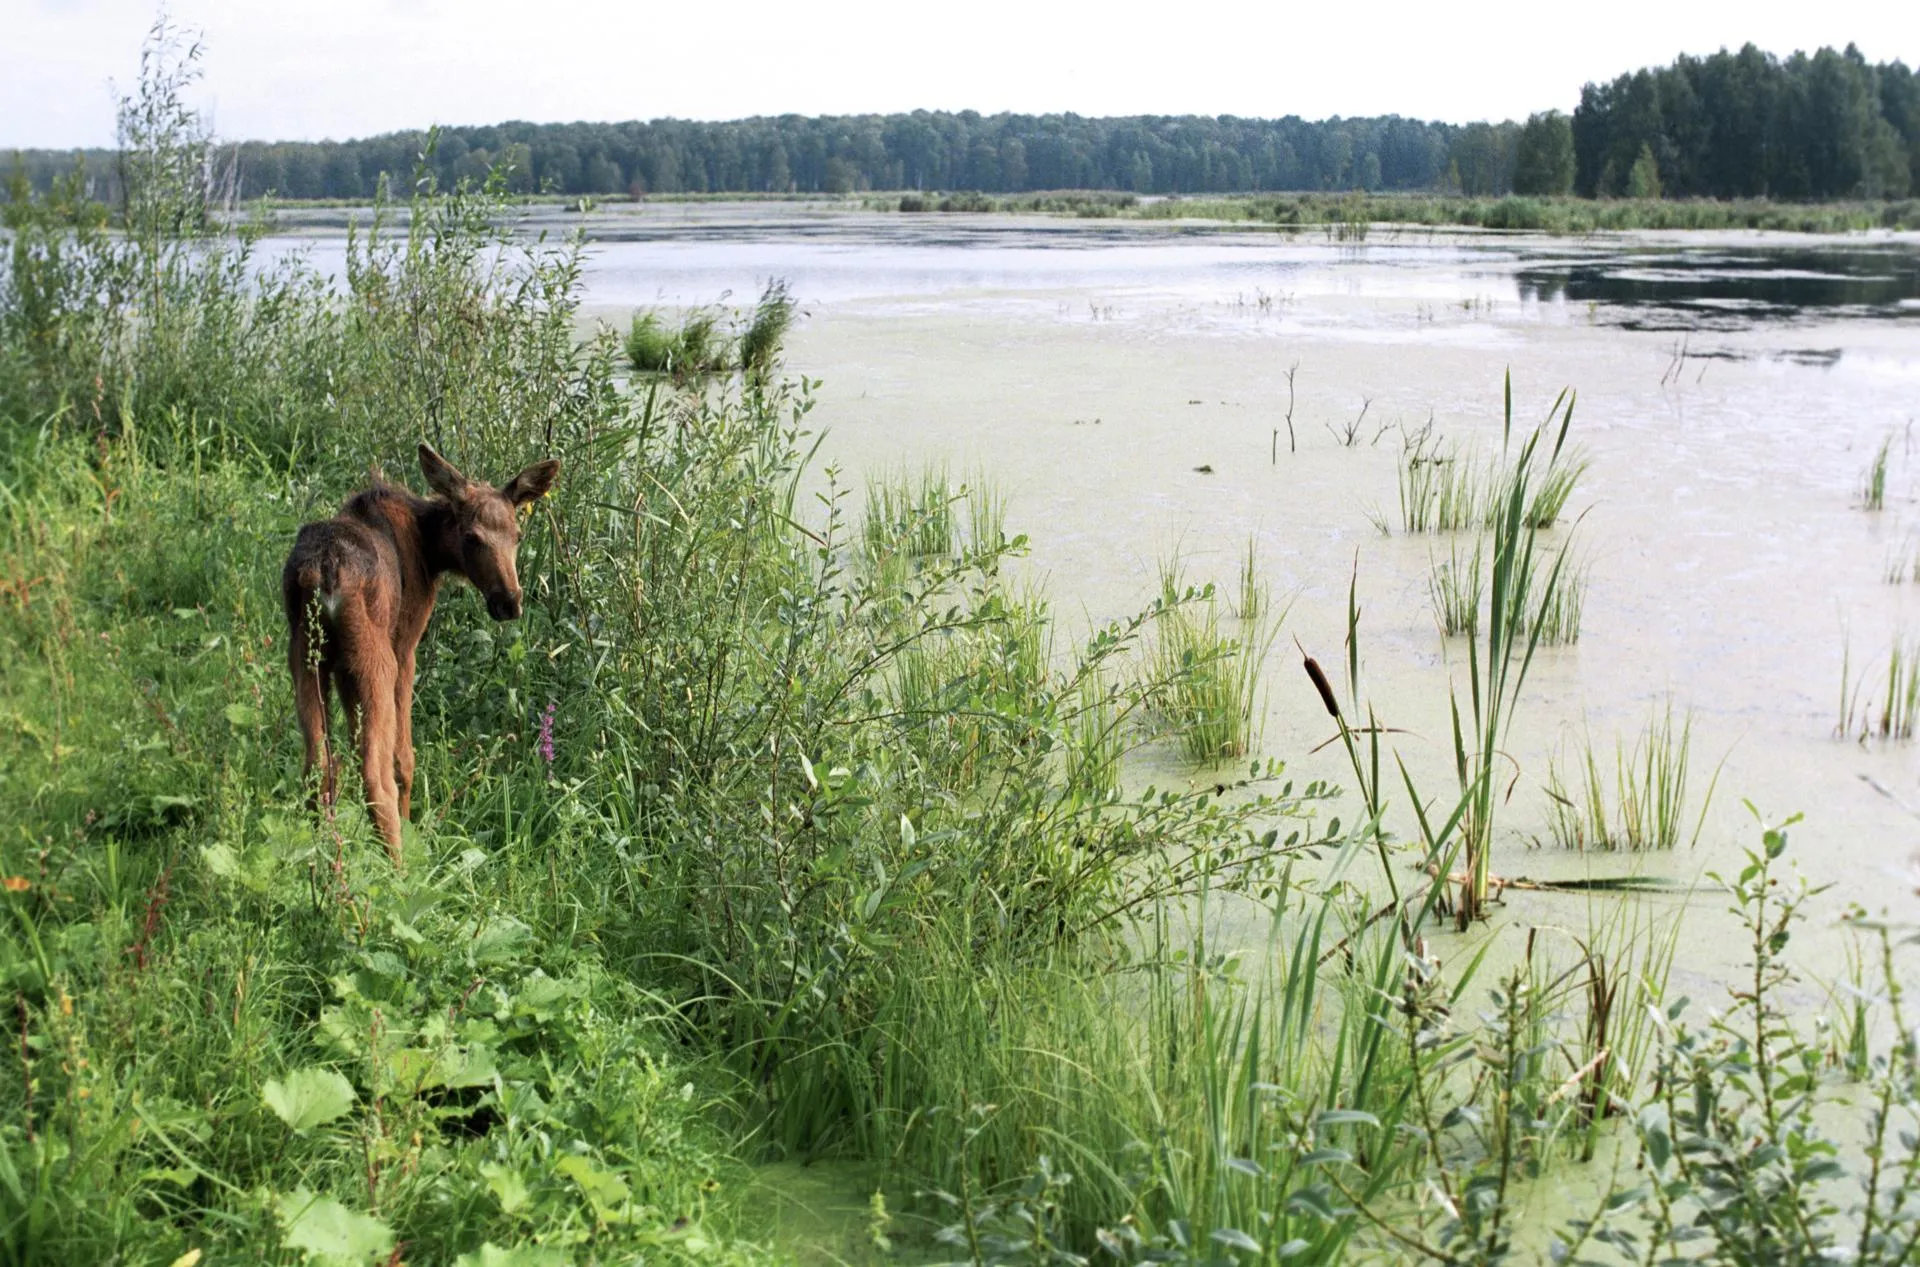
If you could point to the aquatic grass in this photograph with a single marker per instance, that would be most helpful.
(1903, 563)
(911, 514)
(1212, 674)
(1873, 484)
(1556, 488)
(1900, 705)
(1898, 697)
(1096, 743)
(761, 343)
(650, 346)
(1648, 807)
(1557, 615)
(986, 500)
(1442, 488)
(1255, 594)
(1457, 587)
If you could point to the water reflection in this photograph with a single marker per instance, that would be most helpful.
(1719, 288)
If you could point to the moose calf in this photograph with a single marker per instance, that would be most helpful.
(358, 590)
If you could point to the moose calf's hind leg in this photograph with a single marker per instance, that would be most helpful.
(403, 733)
(310, 704)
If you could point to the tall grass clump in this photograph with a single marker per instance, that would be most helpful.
(911, 514)
(1648, 807)
(1457, 586)
(1440, 489)
(765, 336)
(1873, 484)
(1897, 696)
(1214, 664)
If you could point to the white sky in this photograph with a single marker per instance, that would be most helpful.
(298, 69)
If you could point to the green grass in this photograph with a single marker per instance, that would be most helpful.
(910, 514)
(766, 333)
(1457, 587)
(1897, 696)
(1348, 216)
(1213, 664)
(1644, 805)
(1873, 484)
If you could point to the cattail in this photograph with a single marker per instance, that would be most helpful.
(1323, 686)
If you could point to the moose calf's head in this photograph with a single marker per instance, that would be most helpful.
(485, 530)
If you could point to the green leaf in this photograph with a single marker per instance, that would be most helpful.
(1234, 1238)
(242, 715)
(508, 1188)
(1346, 1117)
(309, 1097)
(491, 1255)
(328, 1232)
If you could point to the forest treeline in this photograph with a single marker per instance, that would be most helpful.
(1746, 124)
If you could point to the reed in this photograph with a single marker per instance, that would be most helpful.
(1097, 740)
(1212, 672)
(1648, 807)
(1557, 615)
(1898, 698)
(1873, 484)
(986, 501)
(1900, 705)
(1903, 563)
(910, 514)
(1457, 587)
(761, 343)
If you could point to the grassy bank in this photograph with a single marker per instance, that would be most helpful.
(775, 830)
(1349, 215)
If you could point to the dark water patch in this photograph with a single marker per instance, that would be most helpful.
(1722, 288)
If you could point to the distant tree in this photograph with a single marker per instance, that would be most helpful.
(1643, 180)
(1543, 156)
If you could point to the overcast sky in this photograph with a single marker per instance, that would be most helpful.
(288, 69)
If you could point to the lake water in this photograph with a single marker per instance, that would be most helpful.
(1732, 391)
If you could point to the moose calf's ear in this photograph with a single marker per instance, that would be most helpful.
(532, 483)
(442, 477)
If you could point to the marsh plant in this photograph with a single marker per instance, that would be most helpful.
(1890, 708)
(1903, 563)
(1641, 802)
(701, 345)
(1214, 665)
(1457, 588)
(1873, 484)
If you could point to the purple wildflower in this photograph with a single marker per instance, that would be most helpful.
(546, 733)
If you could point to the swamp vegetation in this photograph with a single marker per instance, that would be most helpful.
(778, 829)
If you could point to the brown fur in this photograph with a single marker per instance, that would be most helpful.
(358, 590)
